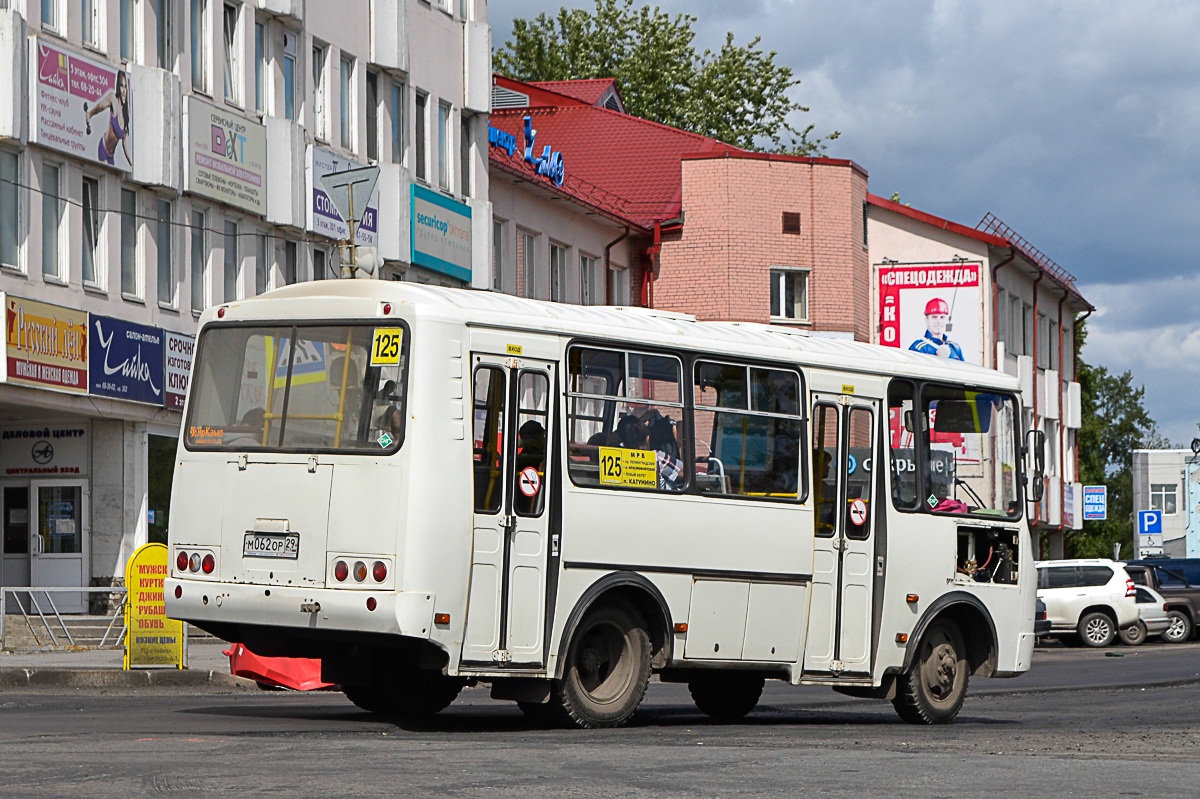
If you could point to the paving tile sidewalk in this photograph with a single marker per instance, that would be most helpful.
(102, 668)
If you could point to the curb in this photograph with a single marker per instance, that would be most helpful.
(118, 678)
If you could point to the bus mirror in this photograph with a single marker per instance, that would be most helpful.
(1035, 452)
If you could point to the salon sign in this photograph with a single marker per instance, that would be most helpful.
(46, 346)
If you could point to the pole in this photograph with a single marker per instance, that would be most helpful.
(1191, 493)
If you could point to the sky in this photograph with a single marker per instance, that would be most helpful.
(1076, 123)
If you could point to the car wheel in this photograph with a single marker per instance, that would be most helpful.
(1180, 629)
(1134, 634)
(1096, 629)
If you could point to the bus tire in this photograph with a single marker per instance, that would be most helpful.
(726, 696)
(408, 696)
(607, 668)
(934, 687)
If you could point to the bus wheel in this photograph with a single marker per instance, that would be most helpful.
(933, 689)
(409, 695)
(726, 696)
(607, 669)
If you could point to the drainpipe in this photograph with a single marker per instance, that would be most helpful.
(1075, 375)
(607, 252)
(1041, 275)
(1062, 427)
(1012, 253)
(651, 259)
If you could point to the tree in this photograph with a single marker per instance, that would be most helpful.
(738, 95)
(1114, 424)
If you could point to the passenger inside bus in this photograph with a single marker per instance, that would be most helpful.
(825, 489)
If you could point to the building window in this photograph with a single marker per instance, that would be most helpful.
(260, 66)
(129, 228)
(52, 217)
(346, 108)
(1162, 498)
(289, 263)
(198, 261)
(230, 271)
(320, 92)
(618, 289)
(373, 115)
(465, 143)
(91, 232)
(10, 216)
(865, 217)
(128, 29)
(1002, 319)
(262, 264)
(51, 16)
(93, 23)
(1027, 328)
(497, 255)
(397, 122)
(164, 33)
(558, 273)
(289, 75)
(444, 145)
(1052, 341)
(528, 256)
(319, 264)
(200, 45)
(231, 29)
(789, 295)
(791, 222)
(422, 131)
(166, 255)
(589, 289)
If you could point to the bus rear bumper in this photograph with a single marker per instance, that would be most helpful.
(407, 613)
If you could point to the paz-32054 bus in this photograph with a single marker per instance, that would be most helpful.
(427, 487)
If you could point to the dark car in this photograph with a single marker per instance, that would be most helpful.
(1178, 580)
(1041, 622)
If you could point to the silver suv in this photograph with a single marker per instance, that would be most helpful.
(1089, 598)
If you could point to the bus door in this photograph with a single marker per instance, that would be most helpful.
(512, 428)
(843, 492)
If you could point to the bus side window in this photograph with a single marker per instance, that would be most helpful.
(488, 434)
(901, 443)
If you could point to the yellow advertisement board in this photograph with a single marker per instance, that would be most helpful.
(151, 639)
(45, 345)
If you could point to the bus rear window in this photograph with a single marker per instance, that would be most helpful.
(301, 387)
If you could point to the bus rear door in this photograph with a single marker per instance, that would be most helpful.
(843, 491)
(512, 431)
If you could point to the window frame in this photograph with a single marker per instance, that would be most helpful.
(54, 266)
(396, 100)
(560, 260)
(589, 270)
(421, 136)
(233, 45)
(130, 246)
(231, 267)
(347, 105)
(201, 46)
(98, 27)
(198, 266)
(164, 254)
(57, 23)
(319, 53)
(780, 276)
(13, 201)
(1163, 493)
(290, 68)
(466, 145)
(262, 65)
(98, 219)
(445, 137)
(372, 115)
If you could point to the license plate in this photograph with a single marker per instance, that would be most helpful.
(259, 545)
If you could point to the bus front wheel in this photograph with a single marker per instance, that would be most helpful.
(933, 689)
(607, 669)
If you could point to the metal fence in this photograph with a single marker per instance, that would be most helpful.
(30, 618)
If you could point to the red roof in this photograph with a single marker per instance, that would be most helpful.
(587, 91)
(936, 221)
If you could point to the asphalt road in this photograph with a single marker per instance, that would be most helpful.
(1082, 723)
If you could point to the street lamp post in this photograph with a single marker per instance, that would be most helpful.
(1191, 492)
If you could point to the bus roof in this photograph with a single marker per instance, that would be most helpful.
(361, 298)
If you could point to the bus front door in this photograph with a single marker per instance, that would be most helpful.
(841, 610)
(512, 430)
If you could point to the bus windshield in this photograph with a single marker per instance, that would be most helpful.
(298, 388)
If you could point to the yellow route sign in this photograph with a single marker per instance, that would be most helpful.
(637, 468)
(151, 639)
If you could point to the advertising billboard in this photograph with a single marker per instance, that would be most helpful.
(936, 309)
(441, 233)
(126, 360)
(226, 157)
(46, 345)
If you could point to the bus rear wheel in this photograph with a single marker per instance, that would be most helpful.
(933, 689)
(407, 695)
(726, 696)
(607, 669)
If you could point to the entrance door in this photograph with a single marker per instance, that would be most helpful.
(57, 547)
(15, 541)
(512, 428)
(840, 618)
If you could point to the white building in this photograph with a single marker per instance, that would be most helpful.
(161, 156)
(1167, 483)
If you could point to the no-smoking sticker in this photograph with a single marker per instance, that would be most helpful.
(858, 513)
(530, 481)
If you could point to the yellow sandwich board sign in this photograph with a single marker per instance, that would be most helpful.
(151, 639)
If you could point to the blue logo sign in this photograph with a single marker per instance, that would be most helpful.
(548, 163)
(1095, 503)
(502, 139)
(125, 361)
(1149, 522)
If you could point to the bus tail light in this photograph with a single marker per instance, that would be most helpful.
(341, 571)
(379, 571)
(194, 562)
(181, 561)
(208, 564)
(360, 571)
(371, 603)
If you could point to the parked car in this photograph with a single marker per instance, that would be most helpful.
(1178, 580)
(1087, 599)
(1154, 619)
(1041, 621)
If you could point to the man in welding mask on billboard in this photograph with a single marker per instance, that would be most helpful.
(935, 341)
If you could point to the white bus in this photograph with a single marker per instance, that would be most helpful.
(426, 488)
